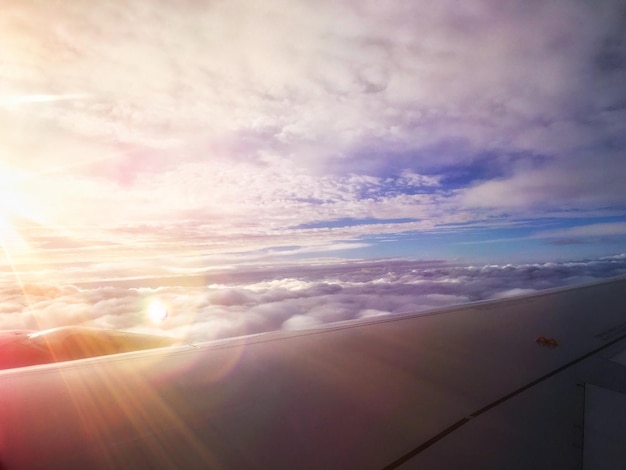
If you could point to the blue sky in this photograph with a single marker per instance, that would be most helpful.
(151, 137)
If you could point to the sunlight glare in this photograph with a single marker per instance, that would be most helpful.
(157, 311)
(10, 238)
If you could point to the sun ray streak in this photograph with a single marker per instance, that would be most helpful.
(16, 273)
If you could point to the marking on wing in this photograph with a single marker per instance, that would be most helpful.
(450, 429)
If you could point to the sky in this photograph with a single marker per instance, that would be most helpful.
(192, 142)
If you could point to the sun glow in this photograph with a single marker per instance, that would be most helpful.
(157, 311)
(13, 207)
(11, 242)
(11, 239)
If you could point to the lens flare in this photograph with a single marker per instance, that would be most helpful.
(157, 311)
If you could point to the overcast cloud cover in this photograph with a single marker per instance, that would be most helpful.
(158, 139)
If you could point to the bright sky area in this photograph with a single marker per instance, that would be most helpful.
(158, 138)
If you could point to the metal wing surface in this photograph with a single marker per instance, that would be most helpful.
(531, 382)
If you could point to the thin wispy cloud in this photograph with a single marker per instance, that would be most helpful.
(35, 98)
(587, 231)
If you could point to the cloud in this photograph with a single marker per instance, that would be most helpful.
(28, 99)
(586, 231)
(512, 293)
(557, 185)
(232, 110)
(589, 234)
(159, 140)
(255, 300)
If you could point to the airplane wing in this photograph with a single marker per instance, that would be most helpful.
(530, 382)
(21, 348)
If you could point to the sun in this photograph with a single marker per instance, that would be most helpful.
(10, 238)
(12, 244)
(15, 210)
(4, 223)
(157, 311)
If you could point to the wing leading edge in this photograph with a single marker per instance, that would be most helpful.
(468, 387)
(21, 348)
